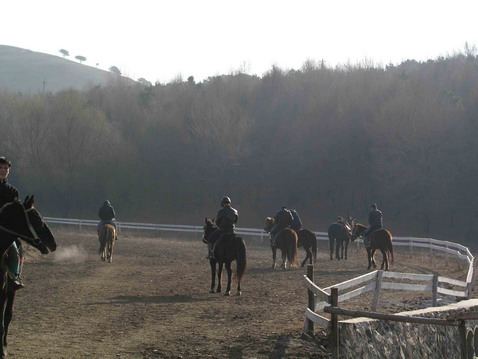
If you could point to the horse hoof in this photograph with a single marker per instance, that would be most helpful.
(211, 291)
(227, 294)
(239, 293)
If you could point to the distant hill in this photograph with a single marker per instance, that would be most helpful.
(28, 71)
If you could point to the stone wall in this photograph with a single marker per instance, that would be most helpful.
(368, 338)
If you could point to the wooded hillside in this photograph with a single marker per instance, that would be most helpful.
(326, 141)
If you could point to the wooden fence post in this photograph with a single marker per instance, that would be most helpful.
(462, 330)
(435, 290)
(334, 327)
(311, 299)
(378, 287)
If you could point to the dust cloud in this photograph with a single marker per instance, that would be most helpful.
(70, 254)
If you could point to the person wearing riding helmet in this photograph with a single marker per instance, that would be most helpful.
(8, 194)
(225, 220)
(283, 219)
(375, 222)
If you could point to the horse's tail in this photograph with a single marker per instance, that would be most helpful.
(294, 260)
(390, 249)
(241, 258)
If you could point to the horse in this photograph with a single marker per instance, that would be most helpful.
(379, 239)
(286, 240)
(107, 237)
(229, 248)
(308, 241)
(22, 221)
(341, 237)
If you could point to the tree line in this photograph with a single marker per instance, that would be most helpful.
(327, 141)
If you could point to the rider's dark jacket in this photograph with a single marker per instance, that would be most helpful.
(282, 219)
(106, 212)
(7, 192)
(226, 219)
(296, 223)
(375, 218)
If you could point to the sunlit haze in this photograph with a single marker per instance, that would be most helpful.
(160, 40)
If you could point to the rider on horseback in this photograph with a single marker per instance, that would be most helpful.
(226, 220)
(8, 193)
(107, 216)
(375, 222)
(282, 219)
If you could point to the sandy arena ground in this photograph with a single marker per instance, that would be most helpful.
(153, 301)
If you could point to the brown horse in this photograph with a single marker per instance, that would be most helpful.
(286, 240)
(229, 248)
(107, 237)
(379, 239)
(22, 221)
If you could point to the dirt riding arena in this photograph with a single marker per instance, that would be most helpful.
(153, 301)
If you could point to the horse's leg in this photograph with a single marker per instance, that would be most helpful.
(229, 278)
(8, 317)
(308, 256)
(346, 245)
(284, 259)
(384, 259)
(110, 251)
(212, 263)
(331, 248)
(238, 284)
(374, 264)
(219, 278)
(338, 244)
(3, 306)
(369, 257)
(274, 254)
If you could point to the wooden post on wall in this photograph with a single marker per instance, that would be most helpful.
(311, 299)
(378, 287)
(334, 327)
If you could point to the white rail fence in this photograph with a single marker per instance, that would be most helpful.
(374, 281)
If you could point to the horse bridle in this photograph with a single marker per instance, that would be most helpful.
(36, 238)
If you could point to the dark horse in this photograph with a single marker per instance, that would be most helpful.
(339, 236)
(308, 241)
(286, 240)
(26, 223)
(107, 237)
(228, 249)
(379, 239)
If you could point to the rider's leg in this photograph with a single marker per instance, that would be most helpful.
(14, 263)
(218, 233)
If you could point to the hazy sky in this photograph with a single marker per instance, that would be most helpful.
(159, 40)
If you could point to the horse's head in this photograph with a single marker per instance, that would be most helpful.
(15, 223)
(209, 228)
(357, 229)
(38, 224)
(269, 224)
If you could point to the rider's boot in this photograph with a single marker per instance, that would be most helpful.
(14, 263)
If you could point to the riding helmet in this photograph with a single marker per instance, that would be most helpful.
(225, 200)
